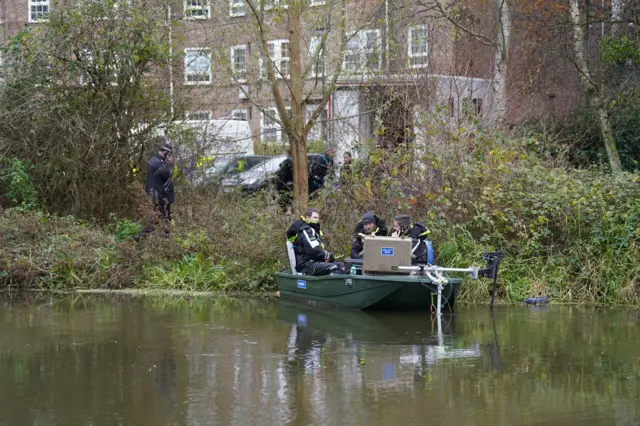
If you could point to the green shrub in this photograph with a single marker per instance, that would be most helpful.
(16, 185)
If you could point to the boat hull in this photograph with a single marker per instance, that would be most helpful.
(367, 291)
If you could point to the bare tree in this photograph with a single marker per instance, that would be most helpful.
(596, 98)
(498, 37)
(315, 38)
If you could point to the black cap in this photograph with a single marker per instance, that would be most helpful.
(368, 217)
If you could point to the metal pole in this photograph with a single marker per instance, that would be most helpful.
(493, 291)
(440, 336)
(439, 307)
(170, 60)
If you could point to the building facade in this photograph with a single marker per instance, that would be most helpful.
(380, 63)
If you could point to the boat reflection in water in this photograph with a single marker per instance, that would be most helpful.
(370, 349)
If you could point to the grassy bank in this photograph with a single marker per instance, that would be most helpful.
(49, 252)
(568, 233)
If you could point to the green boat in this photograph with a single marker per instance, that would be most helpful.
(388, 292)
(420, 287)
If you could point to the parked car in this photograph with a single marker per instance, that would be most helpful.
(254, 178)
(261, 176)
(225, 167)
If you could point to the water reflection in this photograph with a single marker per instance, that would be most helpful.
(153, 361)
(417, 340)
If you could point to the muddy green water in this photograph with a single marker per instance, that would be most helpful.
(94, 360)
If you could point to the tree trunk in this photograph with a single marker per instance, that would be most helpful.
(499, 86)
(296, 133)
(595, 97)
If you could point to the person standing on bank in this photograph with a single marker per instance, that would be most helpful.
(319, 168)
(159, 184)
(312, 256)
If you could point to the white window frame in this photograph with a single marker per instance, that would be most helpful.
(274, 128)
(277, 59)
(363, 52)
(191, 115)
(317, 56)
(240, 76)
(237, 4)
(35, 4)
(272, 4)
(186, 66)
(205, 5)
(89, 57)
(422, 55)
(116, 6)
(240, 112)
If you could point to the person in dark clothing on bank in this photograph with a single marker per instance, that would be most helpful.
(312, 257)
(159, 185)
(319, 170)
(346, 173)
(284, 181)
(370, 225)
(403, 227)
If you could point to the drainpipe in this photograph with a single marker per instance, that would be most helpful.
(3, 17)
(170, 27)
(386, 32)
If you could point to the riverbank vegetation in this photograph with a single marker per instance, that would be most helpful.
(569, 233)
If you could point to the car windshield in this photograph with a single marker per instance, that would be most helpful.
(218, 166)
(241, 164)
(273, 165)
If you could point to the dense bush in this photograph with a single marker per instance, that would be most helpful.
(579, 136)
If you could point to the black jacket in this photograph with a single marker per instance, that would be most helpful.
(284, 177)
(318, 171)
(419, 235)
(307, 244)
(159, 184)
(357, 245)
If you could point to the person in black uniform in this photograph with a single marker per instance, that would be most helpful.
(370, 225)
(312, 257)
(403, 227)
(159, 185)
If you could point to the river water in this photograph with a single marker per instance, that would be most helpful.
(93, 360)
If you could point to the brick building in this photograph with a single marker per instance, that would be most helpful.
(398, 58)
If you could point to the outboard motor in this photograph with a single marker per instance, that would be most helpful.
(493, 259)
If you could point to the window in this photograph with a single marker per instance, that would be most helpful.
(279, 55)
(316, 53)
(197, 66)
(101, 67)
(418, 46)
(319, 128)
(236, 7)
(201, 115)
(272, 131)
(239, 114)
(103, 9)
(38, 10)
(270, 4)
(363, 51)
(239, 62)
(197, 9)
